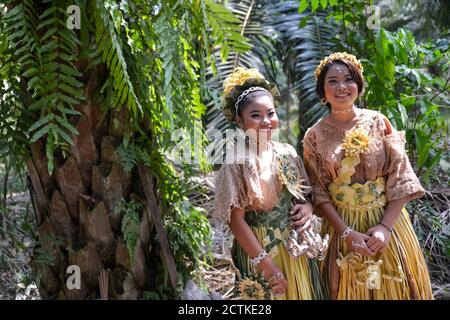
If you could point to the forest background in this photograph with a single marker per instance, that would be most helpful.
(108, 111)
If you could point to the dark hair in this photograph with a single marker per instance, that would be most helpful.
(250, 97)
(354, 73)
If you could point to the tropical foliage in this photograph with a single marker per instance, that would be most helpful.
(131, 73)
(84, 109)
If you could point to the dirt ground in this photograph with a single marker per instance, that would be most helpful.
(15, 273)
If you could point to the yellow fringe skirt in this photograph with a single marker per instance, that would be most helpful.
(399, 273)
(296, 270)
(304, 281)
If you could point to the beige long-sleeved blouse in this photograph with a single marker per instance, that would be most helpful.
(253, 184)
(386, 157)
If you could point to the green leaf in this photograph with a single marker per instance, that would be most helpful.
(406, 100)
(314, 5)
(69, 111)
(303, 6)
(323, 3)
(434, 162)
(417, 76)
(381, 43)
(67, 99)
(78, 94)
(17, 10)
(403, 115)
(30, 72)
(41, 122)
(67, 125)
(17, 35)
(45, 23)
(423, 155)
(71, 81)
(64, 135)
(47, 12)
(49, 149)
(41, 132)
(49, 33)
(69, 70)
(304, 21)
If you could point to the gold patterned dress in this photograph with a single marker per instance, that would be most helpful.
(257, 186)
(360, 187)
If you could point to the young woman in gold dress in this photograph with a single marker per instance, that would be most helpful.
(361, 179)
(254, 192)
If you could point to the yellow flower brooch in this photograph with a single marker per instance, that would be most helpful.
(356, 141)
(290, 176)
(252, 289)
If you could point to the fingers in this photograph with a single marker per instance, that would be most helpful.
(377, 240)
(301, 223)
(375, 247)
(295, 217)
(369, 232)
(301, 209)
(373, 241)
(366, 251)
(383, 247)
(277, 290)
(360, 245)
(278, 283)
(365, 237)
(305, 225)
(283, 283)
(379, 247)
(295, 209)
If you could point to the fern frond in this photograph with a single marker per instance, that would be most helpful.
(109, 47)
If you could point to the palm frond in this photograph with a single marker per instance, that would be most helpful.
(247, 19)
(44, 50)
(303, 48)
(105, 14)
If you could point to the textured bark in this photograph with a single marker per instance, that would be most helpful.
(121, 255)
(70, 184)
(61, 221)
(97, 229)
(154, 215)
(84, 150)
(76, 210)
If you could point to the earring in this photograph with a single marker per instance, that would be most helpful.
(323, 101)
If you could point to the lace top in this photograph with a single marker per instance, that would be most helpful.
(253, 185)
(386, 157)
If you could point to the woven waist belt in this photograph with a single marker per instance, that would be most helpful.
(274, 223)
(274, 219)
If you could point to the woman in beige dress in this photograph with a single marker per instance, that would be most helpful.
(361, 179)
(254, 193)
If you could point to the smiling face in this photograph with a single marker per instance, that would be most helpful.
(340, 89)
(258, 118)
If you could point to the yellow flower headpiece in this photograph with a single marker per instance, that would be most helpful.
(339, 56)
(238, 84)
(238, 77)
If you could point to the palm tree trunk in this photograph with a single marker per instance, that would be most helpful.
(75, 210)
